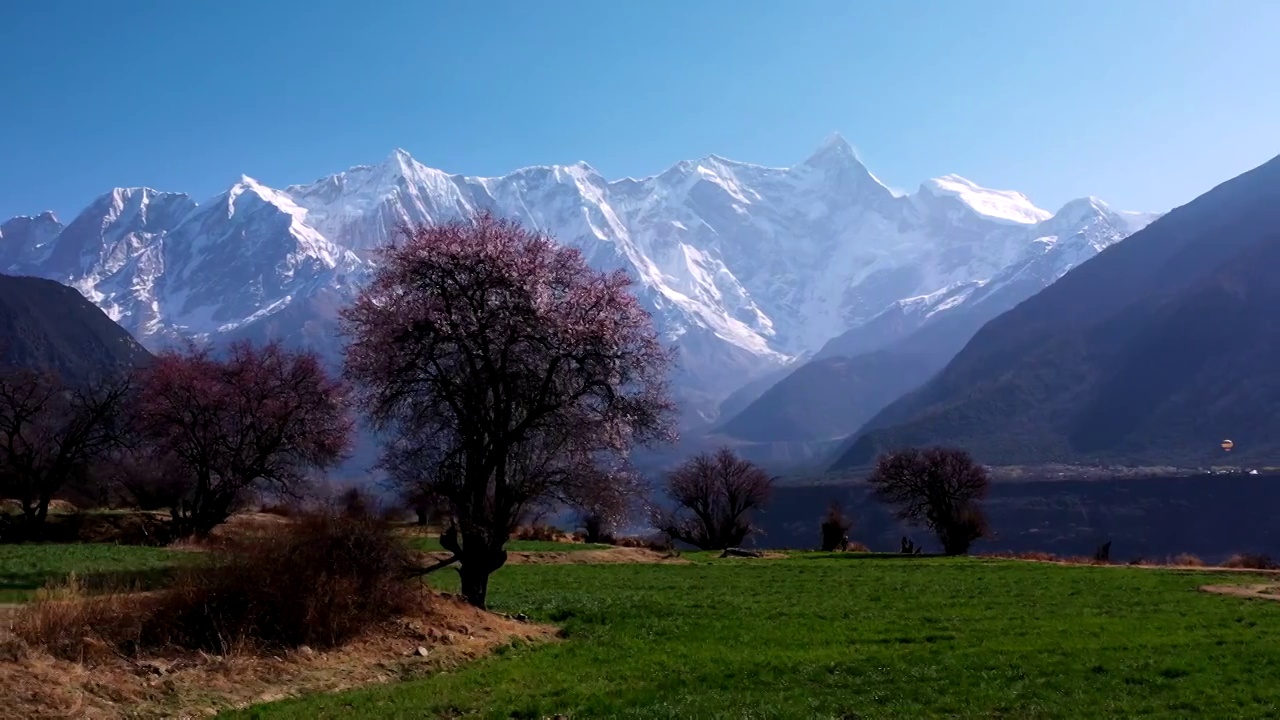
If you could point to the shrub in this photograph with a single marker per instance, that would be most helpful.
(1186, 560)
(318, 582)
(543, 533)
(1250, 561)
(857, 547)
(1103, 554)
(279, 509)
(835, 529)
(1084, 560)
(355, 503)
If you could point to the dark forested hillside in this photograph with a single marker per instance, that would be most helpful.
(48, 326)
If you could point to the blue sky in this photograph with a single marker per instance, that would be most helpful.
(1144, 103)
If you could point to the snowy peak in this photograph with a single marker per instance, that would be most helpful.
(112, 229)
(1002, 206)
(834, 148)
(743, 266)
(1076, 214)
(837, 164)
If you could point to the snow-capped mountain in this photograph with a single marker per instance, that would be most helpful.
(1048, 250)
(743, 266)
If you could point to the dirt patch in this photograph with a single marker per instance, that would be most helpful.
(764, 555)
(55, 507)
(1141, 566)
(585, 557)
(443, 633)
(1265, 592)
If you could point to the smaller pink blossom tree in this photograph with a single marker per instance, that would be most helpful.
(259, 418)
(714, 495)
(938, 487)
(53, 434)
(504, 371)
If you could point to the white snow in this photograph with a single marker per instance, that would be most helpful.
(1000, 205)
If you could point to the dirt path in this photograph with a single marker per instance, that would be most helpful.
(1264, 592)
(1143, 566)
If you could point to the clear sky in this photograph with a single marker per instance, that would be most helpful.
(1144, 103)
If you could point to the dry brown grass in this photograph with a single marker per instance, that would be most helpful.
(1033, 555)
(544, 533)
(316, 605)
(1250, 561)
(317, 582)
(1186, 560)
(65, 621)
(174, 683)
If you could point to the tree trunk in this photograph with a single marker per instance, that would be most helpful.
(479, 561)
(594, 526)
(475, 583)
(181, 521)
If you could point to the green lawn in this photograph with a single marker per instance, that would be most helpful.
(25, 568)
(843, 637)
(432, 544)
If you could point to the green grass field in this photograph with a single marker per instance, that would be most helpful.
(27, 567)
(853, 636)
(432, 544)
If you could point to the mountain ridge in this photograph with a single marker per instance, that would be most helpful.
(1153, 351)
(857, 373)
(744, 266)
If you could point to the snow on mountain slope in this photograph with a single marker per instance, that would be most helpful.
(744, 266)
(1048, 250)
(25, 236)
(999, 205)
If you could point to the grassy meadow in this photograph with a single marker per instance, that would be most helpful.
(852, 636)
(25, 568)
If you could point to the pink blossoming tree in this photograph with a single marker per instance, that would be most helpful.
(258, 418)
(505, 373)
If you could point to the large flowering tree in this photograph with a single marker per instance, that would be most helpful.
(505, 373)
